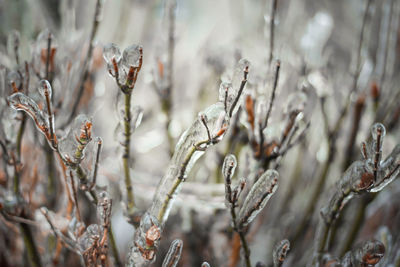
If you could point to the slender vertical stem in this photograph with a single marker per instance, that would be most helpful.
(48, 55)
(171, 46)
(272, 30)
(126, 153)
(271, 100)
(33, 255)
(114, 247)
(241, 88)
(89, 54)
(20, 134)
(242, 237)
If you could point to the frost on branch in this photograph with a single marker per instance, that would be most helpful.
(258, 197)
(20, 101)
(280, 251)
(174, 254)
(189, 148)
(367, 254)
(142, 251)
(228, 170)
(73, 146)
(371, 174)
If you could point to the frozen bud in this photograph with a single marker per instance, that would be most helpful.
(280, 252)
(111, 51)
(150, 230)
(229, 166)
(228, 169)
(237, 78)
(45, 89)
(82, 128)
(42, 40)
(174, 254)
(72, 147)
(226, 93)
(378, 130)
(14, 80)
(104, 207)
(238, 190)
(205, 264)
(131, 56)
(89, 237)
(370, 253)
(258, 197)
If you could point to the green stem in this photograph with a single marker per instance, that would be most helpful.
(166, 108)
(33, 255)
(126, 154)
(178, 180)
(20, 134)
(114, 247)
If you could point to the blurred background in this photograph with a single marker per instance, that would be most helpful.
(322, 59)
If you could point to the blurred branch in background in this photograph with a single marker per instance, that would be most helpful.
(126, 184)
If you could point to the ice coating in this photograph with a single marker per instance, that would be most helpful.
(72, 146)
(367, 254)
(378, 127)
(45, 89)
(20, 101)
(228, 170)
(296, 102)
(229, 166)
(258, 197)
(111, 51)
(92, 234)
(136, 116)
(14, 77)
(216, 121)
(357, 177)
(173, 254)
(226, 94)
(237, 78)
(131, 56)
(391, 170)
(98, 144)
(280, 251)
(104, 207)
(145, 243)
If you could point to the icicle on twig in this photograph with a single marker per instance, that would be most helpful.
(280, 251)
(173, 254)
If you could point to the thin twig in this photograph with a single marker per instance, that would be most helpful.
(272, 98)
(86, 63)
(242, 85)
(272, 30)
